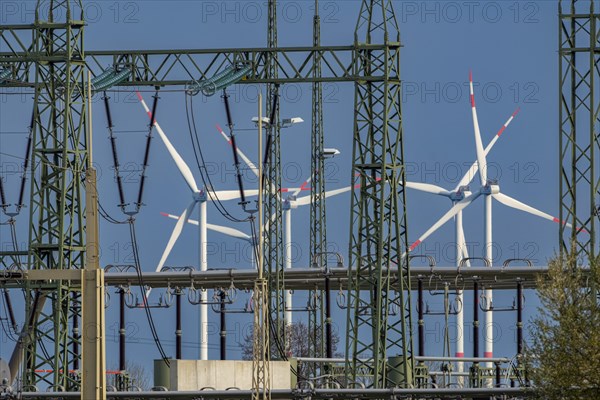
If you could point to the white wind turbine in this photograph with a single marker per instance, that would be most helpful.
(460, 191)
(490, 190)
(290, 203)
(231, 232)
(198, 196)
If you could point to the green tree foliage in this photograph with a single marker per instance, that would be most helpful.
(565, 352)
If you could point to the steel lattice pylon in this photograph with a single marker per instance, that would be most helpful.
(318, 220)
(273, 261)
(378, 234)
(57, 236)
(579, 41)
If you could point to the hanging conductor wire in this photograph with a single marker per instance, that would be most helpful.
(200, 162)
(138, 269)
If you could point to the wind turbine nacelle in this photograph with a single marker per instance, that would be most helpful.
(491, 188)
(461, 193)
(290, 203)
(200, 196)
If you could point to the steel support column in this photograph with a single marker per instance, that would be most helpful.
(56, 208)
(378, 220)
(273, 260)
(318, 221)
(579, 73)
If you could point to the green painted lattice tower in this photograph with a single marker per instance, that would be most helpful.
(378, 239)
(273, 243)
(57, 230)
(318, 220)
(579, 80)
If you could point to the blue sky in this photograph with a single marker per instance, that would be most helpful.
(510, 46)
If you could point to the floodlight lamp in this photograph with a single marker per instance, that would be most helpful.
(265, 120)
(330, 153)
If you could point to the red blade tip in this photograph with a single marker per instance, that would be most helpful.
(415, 244)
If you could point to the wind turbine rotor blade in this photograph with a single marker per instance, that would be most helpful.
(478, 143)
(306, 200)
(463, 241)
(225, 195)
(181, 165)
(303, 187)
(461, 205)
(427, 188)
(176, 233)
(229, 232)
(268, 223)
(173, 239)
(176, 217)
(243, 156)
(468, 177)
(510, 202)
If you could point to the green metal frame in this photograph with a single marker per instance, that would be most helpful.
(318, 217)
(378, 234)
(273, 243)
(579, 73)
(49, 58)
(57, 230)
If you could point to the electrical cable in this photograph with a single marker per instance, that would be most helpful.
(142, 288)
(201, 164)
(200, 161)
(105, 215)
(7, 329)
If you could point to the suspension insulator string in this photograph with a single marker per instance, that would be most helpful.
(116, 165)
(147, 152)
(236, 159)
(113, 147)
(20, 204)
(272, 124)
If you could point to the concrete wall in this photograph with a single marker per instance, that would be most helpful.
(222, 375)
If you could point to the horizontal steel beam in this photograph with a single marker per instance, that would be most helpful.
(295, 278)
(313, 278)
(301, 394)
(180, 67)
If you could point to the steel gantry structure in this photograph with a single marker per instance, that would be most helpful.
(273, 262)
(49, 56)
(579, 76)
(318, 217)
(378, 230)
(47, 347)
